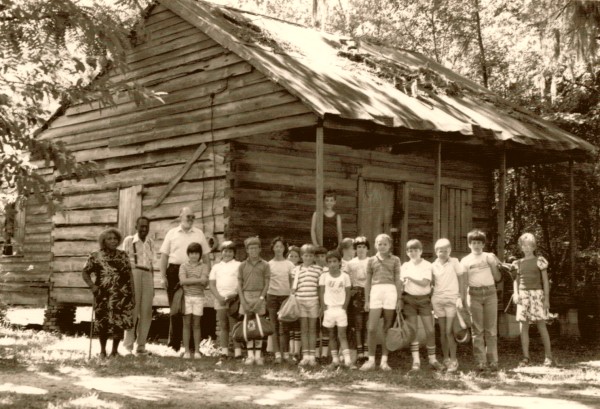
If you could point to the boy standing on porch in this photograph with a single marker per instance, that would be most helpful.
(482, 270)
(332, 224)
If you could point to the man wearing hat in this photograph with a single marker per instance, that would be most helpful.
(223, 281)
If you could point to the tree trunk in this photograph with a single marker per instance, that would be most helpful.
(484, 71)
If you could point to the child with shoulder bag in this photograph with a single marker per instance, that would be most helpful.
(532, 297)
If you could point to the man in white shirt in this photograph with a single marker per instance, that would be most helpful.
(140, 249)
(173, 254)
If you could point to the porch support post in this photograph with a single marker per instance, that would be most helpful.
(572, 240)
(501, 204)
(437, 192)
(319, 181)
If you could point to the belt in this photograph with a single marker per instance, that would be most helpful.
(483, 287)
(142, 268)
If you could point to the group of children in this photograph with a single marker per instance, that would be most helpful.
(336, 291)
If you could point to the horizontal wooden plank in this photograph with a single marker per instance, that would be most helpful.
(189, 88)
(90, 216)
(185, 191)
(25, 258)
(44, 237)
(283, 179)
(28, 267)
(63, 264)
(208, 206)
(84, 232)
(83, 296)
(18, 298)
(200, 170)
(74, 248)
(210, 225)
(186, 44)
(31, 288)
(30, 274)
(36, 247)
(31, 228)
(91, 200)
(202, 121)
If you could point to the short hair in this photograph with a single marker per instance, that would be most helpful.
(441, 243)
(383, 236)
(361, 240)
(347, 243)
(294, 248)
(320, 250)
(414, 244)
(228, 245)
(251, 241)
(333, 254)
(329, 193)
(307, 248)
(104, 235)
(194, 248)
(280, 239)
(527, 238)
(141, 218)
(476, 235)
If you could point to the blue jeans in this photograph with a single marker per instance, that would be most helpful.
(483, 303)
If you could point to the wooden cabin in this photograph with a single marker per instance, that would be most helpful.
(260, 117)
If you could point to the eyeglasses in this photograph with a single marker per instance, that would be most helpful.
(190, 217)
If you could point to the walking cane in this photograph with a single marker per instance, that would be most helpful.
(92, 326)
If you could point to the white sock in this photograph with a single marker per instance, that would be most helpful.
(384, 359)
(347, 359)
(372, 359)
(237, 352)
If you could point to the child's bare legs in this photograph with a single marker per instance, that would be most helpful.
(444, 339)
(342, 336)
(543, 330)
(430, 340)
(388, 319)
(304, 329)
(312, 337)
(524, 327)
(374, 315)
(334, 347)
(414, 345)
(187, 323)
(450, 337)
(197, 333)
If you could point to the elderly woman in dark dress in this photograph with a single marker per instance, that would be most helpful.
(113, 289)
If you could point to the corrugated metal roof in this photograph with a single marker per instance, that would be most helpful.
(357, 80)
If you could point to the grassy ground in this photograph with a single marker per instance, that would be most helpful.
(41, 370)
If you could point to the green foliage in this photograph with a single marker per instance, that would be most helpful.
(54, 53)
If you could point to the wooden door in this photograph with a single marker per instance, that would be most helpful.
(418, 217)
(380, 211)
(456, 218)
(130, 208)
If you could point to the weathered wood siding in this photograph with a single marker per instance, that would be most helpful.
(273, 187)
(213, 95)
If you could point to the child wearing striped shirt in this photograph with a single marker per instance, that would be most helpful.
(193, 276)
(306, 289)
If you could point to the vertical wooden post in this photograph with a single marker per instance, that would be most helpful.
(501, 204)
(437, 192)
(572, 240)
(319, 182)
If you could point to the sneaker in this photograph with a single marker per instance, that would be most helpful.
(102, 355)
(385, 367)
(197, 355)
(333, 365)
(494, 367)
(435, 365)
(278, 360)
(249, 361)
(187, 355)
(452, 366)
(143, 352)
(524, 362)
(368, 366)
(416, 366)
(548, 362)
(259, 361)
(312, 362)
(482, 367)
(303, 362)
(128, 352)
(447, 362)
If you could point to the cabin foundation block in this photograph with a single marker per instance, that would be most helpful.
(59, 317)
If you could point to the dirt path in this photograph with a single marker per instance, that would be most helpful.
(155, 391)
